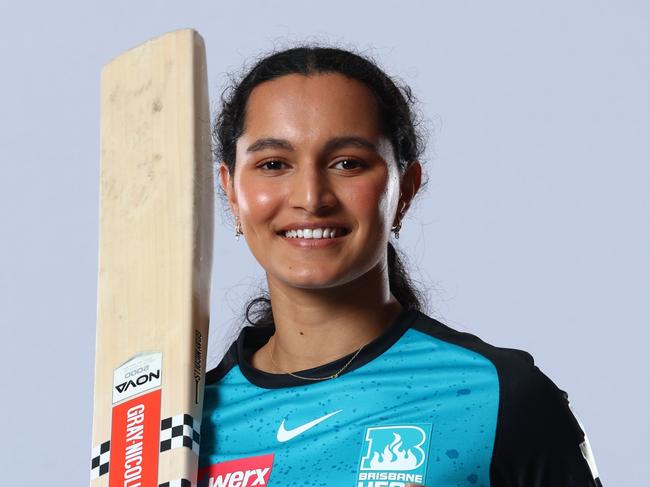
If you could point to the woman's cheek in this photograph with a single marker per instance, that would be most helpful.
(257, 201)
(368, 199)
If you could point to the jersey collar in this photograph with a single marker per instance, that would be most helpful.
(252, 338)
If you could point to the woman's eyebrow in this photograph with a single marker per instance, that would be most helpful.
(331, 145)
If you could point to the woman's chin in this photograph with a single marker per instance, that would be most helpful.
(311, 280)
(312, 283)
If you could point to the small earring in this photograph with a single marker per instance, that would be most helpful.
(238, 231)
(396, 229)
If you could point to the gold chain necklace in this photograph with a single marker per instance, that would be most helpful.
(333, 376)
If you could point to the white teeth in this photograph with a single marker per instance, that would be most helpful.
(312, 233)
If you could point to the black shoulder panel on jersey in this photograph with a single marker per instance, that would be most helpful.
(538, 439)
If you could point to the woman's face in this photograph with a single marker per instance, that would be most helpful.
(312, 155)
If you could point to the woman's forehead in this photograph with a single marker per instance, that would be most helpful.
(318, 106)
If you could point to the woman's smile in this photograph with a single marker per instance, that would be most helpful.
(314, 235)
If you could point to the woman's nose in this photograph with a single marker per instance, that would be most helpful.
(312, 190)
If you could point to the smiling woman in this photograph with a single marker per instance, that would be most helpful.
(344, 380)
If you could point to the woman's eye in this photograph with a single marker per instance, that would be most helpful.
(348, 164)
(272, 165)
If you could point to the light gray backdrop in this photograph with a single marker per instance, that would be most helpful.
(533, 232)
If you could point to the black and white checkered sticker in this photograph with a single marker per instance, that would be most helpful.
(99, 459)
(177, 431)
(180, 431)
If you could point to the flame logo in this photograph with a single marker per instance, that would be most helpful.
(394, 448)
(394, 457)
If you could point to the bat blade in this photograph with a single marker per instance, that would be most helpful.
(155, 258)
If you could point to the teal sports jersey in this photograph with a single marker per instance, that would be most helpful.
(422, 404)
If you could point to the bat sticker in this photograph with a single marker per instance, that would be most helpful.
(137, 375)
(135, 436)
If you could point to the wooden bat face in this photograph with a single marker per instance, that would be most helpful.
(155, 257)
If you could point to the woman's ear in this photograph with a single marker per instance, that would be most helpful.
(409, 187)
(227, 185)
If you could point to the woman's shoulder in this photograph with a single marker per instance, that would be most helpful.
(227, 362)
(224, 366)
(538, 440)
(525, 392)
(518, 374)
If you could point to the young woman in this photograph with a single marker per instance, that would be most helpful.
(344, 380)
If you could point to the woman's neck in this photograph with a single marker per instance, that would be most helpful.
(314, 327)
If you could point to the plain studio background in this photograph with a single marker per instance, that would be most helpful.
(533, 232)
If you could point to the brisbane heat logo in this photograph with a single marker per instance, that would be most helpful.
(393, 456)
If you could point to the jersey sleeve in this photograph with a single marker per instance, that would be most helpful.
(539, 441)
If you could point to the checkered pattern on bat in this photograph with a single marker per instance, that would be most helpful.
(178, 431)
(99, 459)
(175, 432)
(177, 483)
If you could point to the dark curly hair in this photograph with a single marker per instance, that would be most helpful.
(397, 118)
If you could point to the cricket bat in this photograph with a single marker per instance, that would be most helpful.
(155, 258)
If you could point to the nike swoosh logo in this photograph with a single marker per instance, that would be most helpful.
(286, 435)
